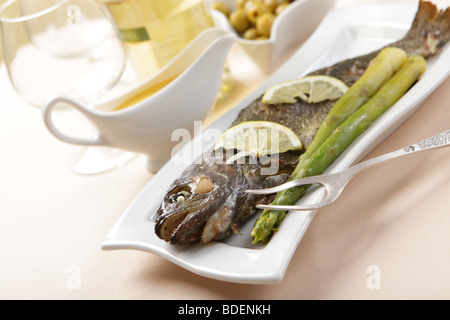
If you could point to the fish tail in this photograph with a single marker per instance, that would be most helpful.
(429, 33)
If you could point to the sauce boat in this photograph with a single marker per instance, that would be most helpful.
(143, 119)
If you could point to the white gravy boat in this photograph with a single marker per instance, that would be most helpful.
(147, 126)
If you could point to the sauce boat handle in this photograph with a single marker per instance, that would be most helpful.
(47, 111)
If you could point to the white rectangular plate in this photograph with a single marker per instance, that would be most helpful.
(344, 33)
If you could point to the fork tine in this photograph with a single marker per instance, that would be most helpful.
(287, 185)
(327, 199)
(307, 207)
(323, 180)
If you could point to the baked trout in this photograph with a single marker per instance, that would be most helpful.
(208, 201)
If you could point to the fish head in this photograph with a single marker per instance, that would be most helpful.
(193, 199)
(208, 201)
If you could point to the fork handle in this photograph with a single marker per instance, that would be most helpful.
(438, 141)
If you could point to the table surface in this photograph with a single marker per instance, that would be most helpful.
(392, 221)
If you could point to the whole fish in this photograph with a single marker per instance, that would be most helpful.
(208, 201)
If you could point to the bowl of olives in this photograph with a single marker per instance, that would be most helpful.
(269, 29)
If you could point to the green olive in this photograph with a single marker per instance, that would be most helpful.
(250, 34)
(254, 9)
(273, 4)
(220, 6)
(239, 21)
(240, 4)
(281, 8)
(264, 23)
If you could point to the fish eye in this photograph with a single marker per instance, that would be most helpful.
(180, 194)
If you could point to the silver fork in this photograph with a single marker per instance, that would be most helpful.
(335, 183)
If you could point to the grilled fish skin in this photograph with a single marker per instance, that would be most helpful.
(208, 201)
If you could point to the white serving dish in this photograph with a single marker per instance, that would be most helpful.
(290, 29)
(345, 33)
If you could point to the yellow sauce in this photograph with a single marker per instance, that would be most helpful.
(144, 94)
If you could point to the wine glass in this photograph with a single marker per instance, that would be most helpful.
(61, 46)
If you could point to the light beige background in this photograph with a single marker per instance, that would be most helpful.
(1, 51)
(394, 218)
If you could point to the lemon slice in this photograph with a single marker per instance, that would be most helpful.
(312, 89)
(258, 138)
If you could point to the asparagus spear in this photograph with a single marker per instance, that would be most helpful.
(380, 70)
(317, 162)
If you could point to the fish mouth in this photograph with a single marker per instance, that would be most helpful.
(184, 227)
(167, 227)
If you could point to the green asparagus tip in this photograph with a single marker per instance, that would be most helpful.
(264, 227)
